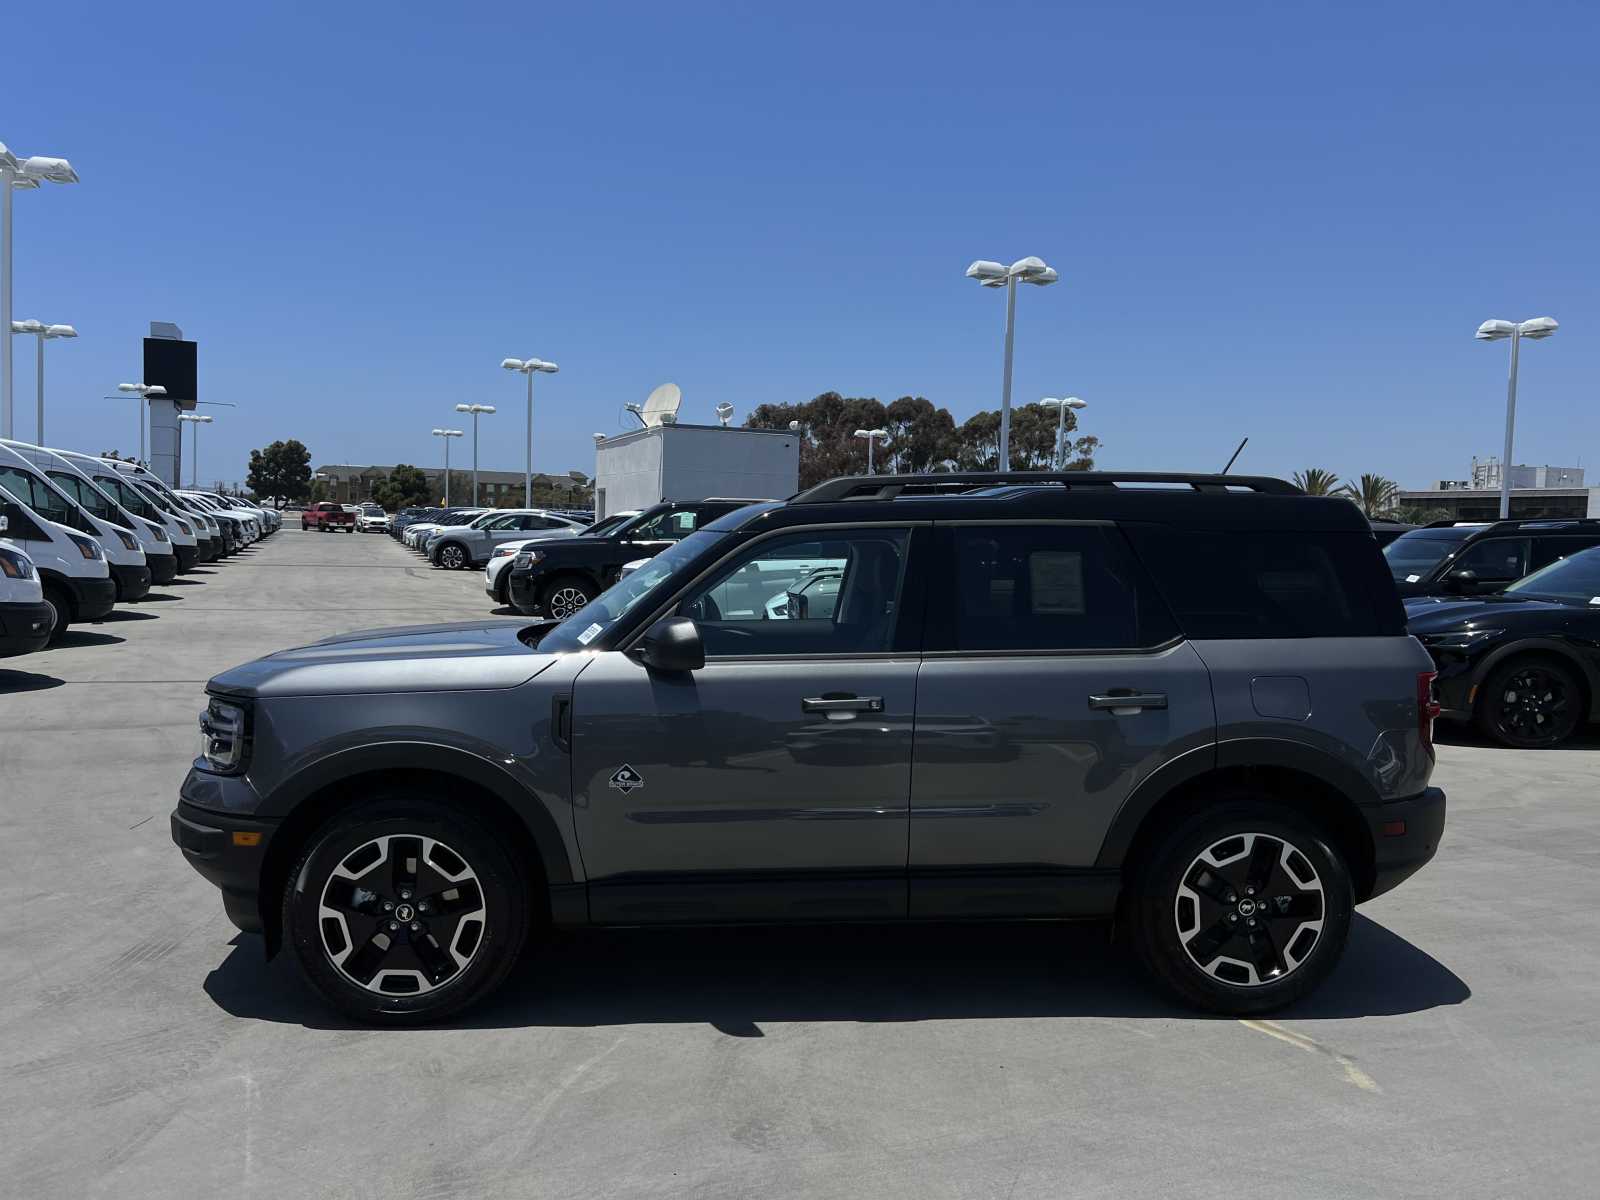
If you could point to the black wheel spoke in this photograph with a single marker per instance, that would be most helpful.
(437, 964)
(1263, 857)
(365, 961)
(461, 897)
(1206, 945)
(1264, 954)
(1302, 906)
(1208, 883)
(405, 856)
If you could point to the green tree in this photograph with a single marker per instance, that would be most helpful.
(828, 445)
(1417, 514)
(1373, 495)
(1033, 441)
(281, 472)
(1314, 481)
(406, 486)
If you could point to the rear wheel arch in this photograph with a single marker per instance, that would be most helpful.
(1547, 648)
(446, 778)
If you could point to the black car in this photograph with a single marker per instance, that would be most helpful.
(1524, 665)
(1458, 558)
(557, 579)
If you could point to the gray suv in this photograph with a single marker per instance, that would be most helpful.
(1188, 703)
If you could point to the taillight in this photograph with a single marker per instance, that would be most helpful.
(1427, 706)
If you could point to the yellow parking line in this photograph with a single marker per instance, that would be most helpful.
(1352, 1073)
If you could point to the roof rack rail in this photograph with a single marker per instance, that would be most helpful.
(887, 487)
(1515, 524)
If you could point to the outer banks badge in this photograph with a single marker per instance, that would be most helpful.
(625, 779)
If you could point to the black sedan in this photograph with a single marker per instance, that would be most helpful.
(1524, 664)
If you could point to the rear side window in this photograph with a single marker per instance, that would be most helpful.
(1044, 587)
(1547, 550)
(1238, 583)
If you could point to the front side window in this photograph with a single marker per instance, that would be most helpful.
(44, 499)
(1495, 560)
(85, 494)
(666, 527)
(805, 594)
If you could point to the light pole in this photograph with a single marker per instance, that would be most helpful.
(1494, 331)
(447, 434)
(529, 367)
(15, 175)
(43, 333)
(476, 410)
(1061, 407)
(143, 391)
(194, 447)
(994, 275)
(871, 436)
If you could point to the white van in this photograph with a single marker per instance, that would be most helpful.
(238, 508)
(124, 556)
(180, 534)
(152, 538)
(73, 573)
(25, 619)
(208, 542)
(246, 528)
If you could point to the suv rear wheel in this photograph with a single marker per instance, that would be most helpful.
(565, 595)
(1530, 703)
(404, 911)
(452, 556)
(1243, 908)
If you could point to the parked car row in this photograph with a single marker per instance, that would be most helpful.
(461, 538)
(83, 534)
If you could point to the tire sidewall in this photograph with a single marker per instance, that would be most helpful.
(1154, 927)
(504, 892)
(61, 607)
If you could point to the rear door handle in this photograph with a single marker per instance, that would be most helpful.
(830, 703)
(1121, 703)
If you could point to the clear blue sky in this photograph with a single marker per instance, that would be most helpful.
(1275, 220)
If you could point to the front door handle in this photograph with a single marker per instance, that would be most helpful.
(833, 703)
(1122, 702)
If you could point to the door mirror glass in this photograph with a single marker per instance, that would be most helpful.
(673, 645)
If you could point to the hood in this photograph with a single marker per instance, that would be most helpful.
(461, 656)
(1439, 614)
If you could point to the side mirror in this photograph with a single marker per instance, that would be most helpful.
(672, 645)
(1462, 575)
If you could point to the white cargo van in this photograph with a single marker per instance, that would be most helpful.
(73, 573)
(25, 618)
(206, 544)
(180, 534)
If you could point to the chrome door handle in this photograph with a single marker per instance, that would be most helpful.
(1120, 704)
(842, 704)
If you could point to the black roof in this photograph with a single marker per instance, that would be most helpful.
(1199, 501)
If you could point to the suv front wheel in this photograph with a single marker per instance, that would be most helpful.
(452, 556)
(1242, 909)
(404, 911)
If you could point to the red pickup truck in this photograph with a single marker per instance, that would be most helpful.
(326, 516)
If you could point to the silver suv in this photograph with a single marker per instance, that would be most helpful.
(457, 548)
(1185, 703)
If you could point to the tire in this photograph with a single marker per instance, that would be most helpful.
(60, 603)
(338, 931)
(452, 556)
(304, 527)
(1202, 950)
(565, 595)
(1531, 702)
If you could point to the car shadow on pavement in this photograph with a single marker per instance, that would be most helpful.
(1455, 734)
(82, 637)
(125, 614)
(736, 978)
(26, 681)
(158, 597)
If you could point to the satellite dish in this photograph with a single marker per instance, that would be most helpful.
(724, 413)
(661, 406)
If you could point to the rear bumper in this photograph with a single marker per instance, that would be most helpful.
(24, 628)
(92, 598)
(1405, 835)
(133, 583)
(163, 567)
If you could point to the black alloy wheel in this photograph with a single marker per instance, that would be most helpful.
(1531, 703)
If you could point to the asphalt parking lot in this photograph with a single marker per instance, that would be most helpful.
(147, 1049)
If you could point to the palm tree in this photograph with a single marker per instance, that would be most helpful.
(1373, 495)
(1314, 481)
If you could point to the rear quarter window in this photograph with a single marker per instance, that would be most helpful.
(1239, 583)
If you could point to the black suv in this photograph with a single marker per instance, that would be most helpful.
(558, 578)
(1464, 558)
(1191, 707)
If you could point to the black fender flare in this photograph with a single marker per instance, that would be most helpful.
(1233, 752)
(1540, 645)
(287, 798)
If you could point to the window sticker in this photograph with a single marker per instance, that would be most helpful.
(1413, 578)
(589, 634)
(1056, 577)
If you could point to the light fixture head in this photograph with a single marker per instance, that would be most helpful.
(128, 387)
(29, 326)
(154, 389)
(549, 368)
(60, 331)
(463, 408)
(55, 170)
(1539, 327)
(483, 408)
(1033, 270)
(987, 272)
(1493, 331)
(511, 364)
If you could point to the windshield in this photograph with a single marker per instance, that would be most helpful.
(1413, 555)
(1573, 580)
(598, 617)
(89, 496)
(604, 527)
(129, 498)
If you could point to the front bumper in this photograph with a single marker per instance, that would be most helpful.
(522, 589)
(163, 567)
(92, 598)
(211, 842)
(133, 583)
(1405, 836)
(24, 628)
(187, 556)
(207, 548)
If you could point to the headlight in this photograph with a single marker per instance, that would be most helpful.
(128, 540)
(1461, 639)
(161, 534)
(222, 736)
(88, 547)
(502, 552)
(14, 565)
(527, 558)
(183, 526)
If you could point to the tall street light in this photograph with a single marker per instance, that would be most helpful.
(43, 333)
(194, 447)
(1061, 406)
(1494, 331)
(476, 410)
(871, 436)
(995, 275)
(143, 391)
(15, 175)
(529, 367)
(447, 434)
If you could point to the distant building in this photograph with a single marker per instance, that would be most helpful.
(693, 462)
(350, 484)
(1535, 492)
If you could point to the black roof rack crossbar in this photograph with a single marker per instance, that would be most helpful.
(1515, 524)
(887, 487)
